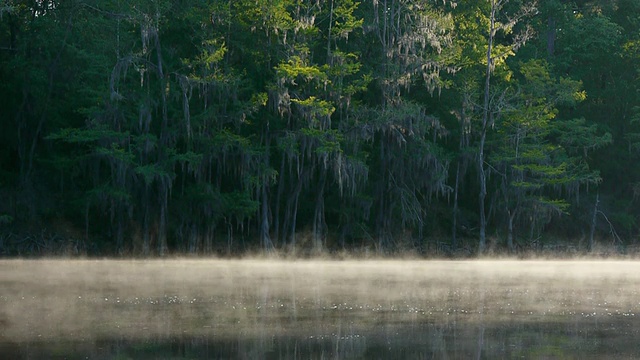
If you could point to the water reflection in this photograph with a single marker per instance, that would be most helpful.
(301, 310)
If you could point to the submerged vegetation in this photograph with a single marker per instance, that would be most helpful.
(153, 127)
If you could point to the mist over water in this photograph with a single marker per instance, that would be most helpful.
(319, 309)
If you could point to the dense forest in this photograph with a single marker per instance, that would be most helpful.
(154, 127)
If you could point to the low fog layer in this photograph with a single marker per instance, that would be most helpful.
(57, 300)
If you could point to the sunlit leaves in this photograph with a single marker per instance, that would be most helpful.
(345, 21)
(295, 69)
(213, 52)
(210, 115)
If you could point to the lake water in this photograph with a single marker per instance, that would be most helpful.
(254, 309)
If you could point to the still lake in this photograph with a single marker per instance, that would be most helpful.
(261, 309)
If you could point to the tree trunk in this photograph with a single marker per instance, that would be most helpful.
(551, 36)
(511, 218)
(294, 219)
(208, 239)
(454, 240)
(265, 239)
(381, 193)
(302, 176)
(485, 116)
(86, 222)
(162, 226)
(289, 228)
(276, 222)
(594, 219)
(329, 33)
(119, 231)
(193, 239)
(264, 226)
(229, 236)
(145, 230)
(318, 219)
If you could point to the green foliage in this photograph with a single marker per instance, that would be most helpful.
(116, 153)
(152, 172)
(272, 116)
(5, 219)
(345, 20)
(84, 136)
(327, 142)
(537, 153)
(558, 205)
(106, 193)
(295, 69)
(238, 205)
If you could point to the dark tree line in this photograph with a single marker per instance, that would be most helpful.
(155, 126)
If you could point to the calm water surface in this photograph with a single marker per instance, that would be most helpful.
(249, 309)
